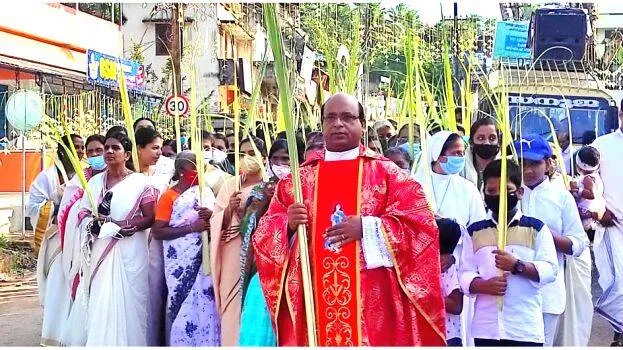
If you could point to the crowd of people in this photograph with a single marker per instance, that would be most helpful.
(145, 256)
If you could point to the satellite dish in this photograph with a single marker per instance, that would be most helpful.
(24, 110)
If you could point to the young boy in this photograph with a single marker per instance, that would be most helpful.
(449, 235)
(556, 208)
(513, 274)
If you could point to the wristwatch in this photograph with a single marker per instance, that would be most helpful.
(518, 268)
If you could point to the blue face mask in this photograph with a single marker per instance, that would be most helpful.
(97, 163)
(453, 165)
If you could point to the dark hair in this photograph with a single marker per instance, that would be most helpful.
(206, 135)
(589, 155)
(261, 146)
(315, 136)
(140, 120)
(116, 129)
(97, 137)
(280, 144)
(449, 235)
(219, 136)
(66, 140)
(588, 137)
(362, 115)
(451, 139)
(494, 170)
(399, 151)
(145, 136)
(125, 142)
(170, 143)
(482, 122)
(460, 128)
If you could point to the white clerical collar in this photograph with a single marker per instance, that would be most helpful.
(346, 155)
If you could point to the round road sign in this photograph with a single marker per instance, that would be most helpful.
(176, 104)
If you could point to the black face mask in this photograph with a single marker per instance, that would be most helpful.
(486, 151)
(493, 202)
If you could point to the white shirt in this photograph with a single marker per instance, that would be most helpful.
(450, 282)
(558, 210)
(375, 250)
(566, 158)
(610, 148)
(521, 316)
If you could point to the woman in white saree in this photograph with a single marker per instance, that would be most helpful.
(116, 282)
(46, 194)
(71, 238)
(158, 171)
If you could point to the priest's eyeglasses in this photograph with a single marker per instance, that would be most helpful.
(345, 118)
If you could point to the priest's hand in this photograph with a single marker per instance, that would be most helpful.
(345, 232)
(297, 215)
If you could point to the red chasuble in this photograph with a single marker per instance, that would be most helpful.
(336, 277)
(401, 305)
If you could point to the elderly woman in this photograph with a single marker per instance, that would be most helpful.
(117, 283)
(182, 215)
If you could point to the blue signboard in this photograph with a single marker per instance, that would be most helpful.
(511, 39)
(102, 70)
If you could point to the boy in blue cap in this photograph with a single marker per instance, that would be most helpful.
(528, 262)
(555, 207)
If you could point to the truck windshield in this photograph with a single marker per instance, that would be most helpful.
(534, 120)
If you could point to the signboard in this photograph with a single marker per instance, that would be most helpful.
(511, 39)
(102, 70)
(569, 102)
(177, 104)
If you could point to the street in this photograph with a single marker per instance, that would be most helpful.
(20, 316)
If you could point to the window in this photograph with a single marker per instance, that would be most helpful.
(164, 39)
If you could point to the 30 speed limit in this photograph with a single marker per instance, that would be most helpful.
(176, 105)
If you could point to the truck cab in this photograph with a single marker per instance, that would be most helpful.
(558, 95)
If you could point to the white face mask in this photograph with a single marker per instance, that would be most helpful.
(207, 156)
(218, 156)
(280, 171)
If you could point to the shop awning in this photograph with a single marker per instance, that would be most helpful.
(35, 67)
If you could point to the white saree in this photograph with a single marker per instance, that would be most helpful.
(45, 195)
(116, 282)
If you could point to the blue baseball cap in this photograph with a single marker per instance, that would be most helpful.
(533, 147)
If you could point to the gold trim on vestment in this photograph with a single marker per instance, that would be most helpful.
(404, 289)
(358, 252)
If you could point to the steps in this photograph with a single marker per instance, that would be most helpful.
(13, 290)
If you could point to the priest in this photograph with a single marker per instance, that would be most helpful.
(373, 246)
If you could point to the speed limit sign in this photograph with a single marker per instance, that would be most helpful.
(176, 104)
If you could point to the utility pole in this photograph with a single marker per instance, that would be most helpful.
(176, 49)
(456, 30)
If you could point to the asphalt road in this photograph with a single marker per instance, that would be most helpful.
(20, 316)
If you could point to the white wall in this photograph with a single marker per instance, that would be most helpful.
(204, 35)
